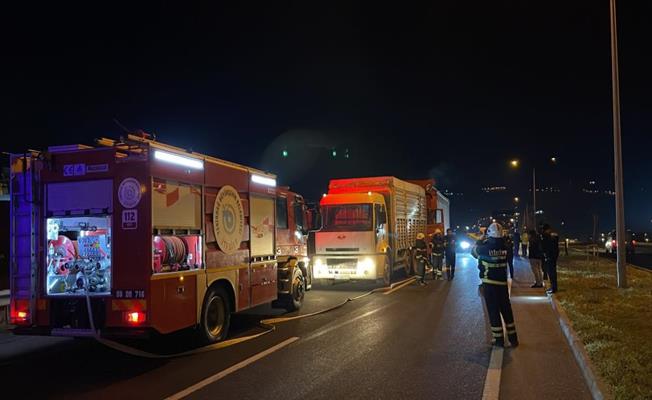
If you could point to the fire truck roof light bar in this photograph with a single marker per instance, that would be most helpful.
(263, 180)
(178, 160)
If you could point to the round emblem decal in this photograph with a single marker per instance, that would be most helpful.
(129, 193)
(228, 219)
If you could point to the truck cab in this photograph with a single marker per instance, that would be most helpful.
(293, 224)
(353, 241)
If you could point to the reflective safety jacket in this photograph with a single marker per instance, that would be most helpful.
(492, 260)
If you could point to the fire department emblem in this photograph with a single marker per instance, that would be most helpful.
(129, 192)
(228, 219)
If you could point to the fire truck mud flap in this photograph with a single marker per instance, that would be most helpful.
(269, 325)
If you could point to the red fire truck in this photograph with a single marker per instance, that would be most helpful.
(293, 222)
(152, 237)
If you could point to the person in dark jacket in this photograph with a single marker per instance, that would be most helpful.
(516, 238)
(437, 251)
(492, 258)
(550, 247)
(421, 257)
(536, 257)
(510, 255)
(450, 246)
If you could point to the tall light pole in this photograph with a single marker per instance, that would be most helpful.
(621, 273)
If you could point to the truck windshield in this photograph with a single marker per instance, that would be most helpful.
(347, 217)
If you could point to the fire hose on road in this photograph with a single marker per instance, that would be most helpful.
(269, 325)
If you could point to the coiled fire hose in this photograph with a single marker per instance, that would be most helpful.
(269, 325)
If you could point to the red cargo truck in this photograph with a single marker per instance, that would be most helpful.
(150, 236)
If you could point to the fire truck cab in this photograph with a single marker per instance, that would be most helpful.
(136, 236)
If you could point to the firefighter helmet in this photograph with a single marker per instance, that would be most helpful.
(420, 236)
(495, 230)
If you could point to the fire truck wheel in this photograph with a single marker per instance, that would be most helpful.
(294, 300)
(216, 315)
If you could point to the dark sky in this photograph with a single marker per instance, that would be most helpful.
(445, 89)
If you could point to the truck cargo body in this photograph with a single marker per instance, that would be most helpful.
(438, 215)
(153, 237)
(369, 226)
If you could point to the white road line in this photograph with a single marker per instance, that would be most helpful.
(492, 381)
(230, 370)
(334, 327)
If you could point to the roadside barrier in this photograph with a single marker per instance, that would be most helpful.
(269, 325)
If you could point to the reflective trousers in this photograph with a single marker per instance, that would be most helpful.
(496, 297)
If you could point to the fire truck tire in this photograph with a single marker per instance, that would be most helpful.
(306, 269)
(215, 316)
(294, 300)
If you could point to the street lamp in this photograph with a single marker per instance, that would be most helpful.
(515, 164)
(621, 275)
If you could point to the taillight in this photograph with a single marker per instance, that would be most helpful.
(633, 242)
(614, 243)
(19, 312)
(134, 317)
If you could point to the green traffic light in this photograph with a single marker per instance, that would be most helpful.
(285, 153)
(334, 153)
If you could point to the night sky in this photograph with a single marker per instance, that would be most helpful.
(451, 90)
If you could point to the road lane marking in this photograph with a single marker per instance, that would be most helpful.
(230, 370)
(400, 286)
(492, 381)
(341, 324)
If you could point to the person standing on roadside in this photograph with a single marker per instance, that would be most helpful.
(536, 257)
(492, 262)
(516, 238)
(510, 253)
(550, 247)
(450, 245)
(437, 250)
(421, 257)
(524, 242)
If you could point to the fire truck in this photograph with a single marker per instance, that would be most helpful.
(135, 236)
(294, 221)
(369, 227)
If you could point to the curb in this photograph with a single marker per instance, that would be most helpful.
(598, 389)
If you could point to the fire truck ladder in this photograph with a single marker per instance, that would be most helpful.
(24, 229)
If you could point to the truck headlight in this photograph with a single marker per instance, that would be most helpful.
(366, 266)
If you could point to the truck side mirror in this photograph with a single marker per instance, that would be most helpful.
(316, 223)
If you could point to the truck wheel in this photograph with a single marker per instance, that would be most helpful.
(215, 316)
(387, 274)
(294, 300)
(408, 263)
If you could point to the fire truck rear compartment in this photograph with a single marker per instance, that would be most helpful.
(72, 313)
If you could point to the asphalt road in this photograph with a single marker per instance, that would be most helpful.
(417, 342)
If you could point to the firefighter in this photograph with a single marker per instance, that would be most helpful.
(492, 262)
(421, 256)
(437, 245)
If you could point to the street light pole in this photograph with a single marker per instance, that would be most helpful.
(618, 162)
(534, 196)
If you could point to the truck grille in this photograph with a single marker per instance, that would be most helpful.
(343, 263)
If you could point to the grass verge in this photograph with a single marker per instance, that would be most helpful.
(614, 324)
